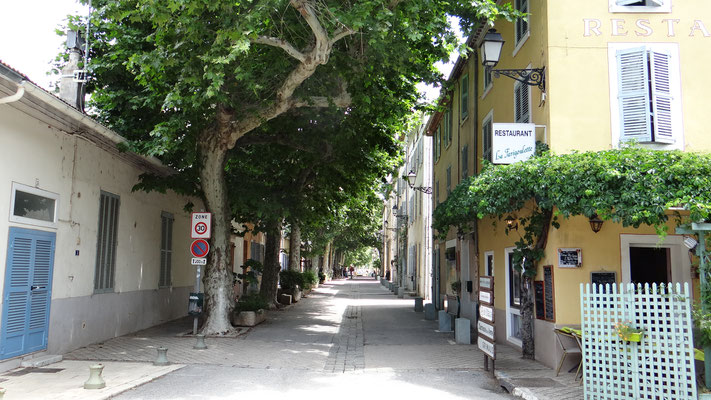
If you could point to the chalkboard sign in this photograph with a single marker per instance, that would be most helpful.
(548, 292)
(570, 258)
(539, 299)
(603, 277)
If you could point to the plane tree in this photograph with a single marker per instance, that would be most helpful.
(186, 79)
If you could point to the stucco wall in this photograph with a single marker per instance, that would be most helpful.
(39, 156)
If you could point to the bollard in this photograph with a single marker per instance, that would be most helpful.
(200, 344)
(419, 307)
(445, 321)
(162, 356)
(95, 380)
(430, 312)
(462, 331)
(401, 293)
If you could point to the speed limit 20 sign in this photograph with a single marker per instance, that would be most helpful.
(201, 225)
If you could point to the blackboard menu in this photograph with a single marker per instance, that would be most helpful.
(570, 258)
(539, 299)
(548, 292)
(603, 277)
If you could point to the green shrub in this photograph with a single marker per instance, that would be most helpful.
(251, 302)
(310, 277)
(290, 279)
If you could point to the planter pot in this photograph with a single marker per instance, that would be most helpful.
(635, 337)
(249, 318)
(295, 295)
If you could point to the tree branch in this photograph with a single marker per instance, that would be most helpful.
(305, 8)
(283, 44)
(340, 34)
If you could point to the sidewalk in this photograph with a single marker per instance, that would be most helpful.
(344, 327)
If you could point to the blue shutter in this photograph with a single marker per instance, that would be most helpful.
(661, 97)
(633, 95)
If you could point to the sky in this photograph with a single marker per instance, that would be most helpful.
(28, 41)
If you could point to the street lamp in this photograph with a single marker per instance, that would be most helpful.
(490, 51)
(411, 176)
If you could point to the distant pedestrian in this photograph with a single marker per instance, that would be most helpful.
(351, 269)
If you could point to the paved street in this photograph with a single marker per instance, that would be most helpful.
(348, 339)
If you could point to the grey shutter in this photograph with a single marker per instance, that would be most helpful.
(521, 103)
(661, 97)
(106, 242)
(486, 140)
(521, 23)
(633, 95)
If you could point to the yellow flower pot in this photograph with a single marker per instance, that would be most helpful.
(635, 337)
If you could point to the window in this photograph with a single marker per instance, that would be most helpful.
(489, 263)
(522, 103)
(465, 162)
(645, 94)
(256, 252)
(449, 180)
(464, 98)
(637, 6)
(488, 80)
(437, 143)
(33, 206)
(436, 193)
(166, 249)
(447, 131)
(521, 23)
(486, 130)
(106, 243)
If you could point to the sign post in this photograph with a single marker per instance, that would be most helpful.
(200, 230)
(486, 340)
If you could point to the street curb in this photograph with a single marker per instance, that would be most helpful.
(505, 382)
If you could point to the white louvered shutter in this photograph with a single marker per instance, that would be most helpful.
(661, 97)
(633, 95)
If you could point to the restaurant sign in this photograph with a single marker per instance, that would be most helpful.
(511, 143)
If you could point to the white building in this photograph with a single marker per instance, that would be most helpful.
(83, 257)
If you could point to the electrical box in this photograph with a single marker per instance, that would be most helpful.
(74, 40)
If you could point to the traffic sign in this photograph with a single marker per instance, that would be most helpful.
(199, 248)
(199, 261)
(201, 225)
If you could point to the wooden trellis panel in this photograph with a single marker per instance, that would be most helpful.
(661, 366)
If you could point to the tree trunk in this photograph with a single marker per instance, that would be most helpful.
(218, 279)
(295, 247)
(270, 276)
(528, 348)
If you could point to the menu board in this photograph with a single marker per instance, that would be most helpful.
(570, 258)
(485, 324)
(601, 278)
(548, 293)
(539, 298)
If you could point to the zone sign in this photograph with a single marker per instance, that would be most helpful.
(201, 225)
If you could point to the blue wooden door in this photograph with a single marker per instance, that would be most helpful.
(28, 292)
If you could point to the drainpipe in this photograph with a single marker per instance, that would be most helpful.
(15, 97)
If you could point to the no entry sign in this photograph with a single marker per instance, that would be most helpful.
(200, 226)
(200, 248)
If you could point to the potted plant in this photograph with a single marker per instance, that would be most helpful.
(291, 282)
(310, 279)
(626, 332)
(321, 277)
(250, 310)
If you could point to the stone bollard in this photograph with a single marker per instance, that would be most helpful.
(162, 356)
(401, 293)
(418, 304)
(462, 331)
(445, 321)
(95, 380)
(200, 342)
(430, 312)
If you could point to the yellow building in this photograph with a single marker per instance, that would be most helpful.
(615, 71)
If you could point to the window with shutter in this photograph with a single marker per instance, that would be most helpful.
(521, 23)
(447, 131)
(464, 98)
(449, 180)
(522, 103)
(486, 128)
(465, 162)
(645, 95)
(166, 249)
(106, 242)
(637, 6)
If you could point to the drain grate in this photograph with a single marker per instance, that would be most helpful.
(534, 382)
(26, 371)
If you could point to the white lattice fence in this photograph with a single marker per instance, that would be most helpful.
(661, 366)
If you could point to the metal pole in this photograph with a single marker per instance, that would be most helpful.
(197, 290)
